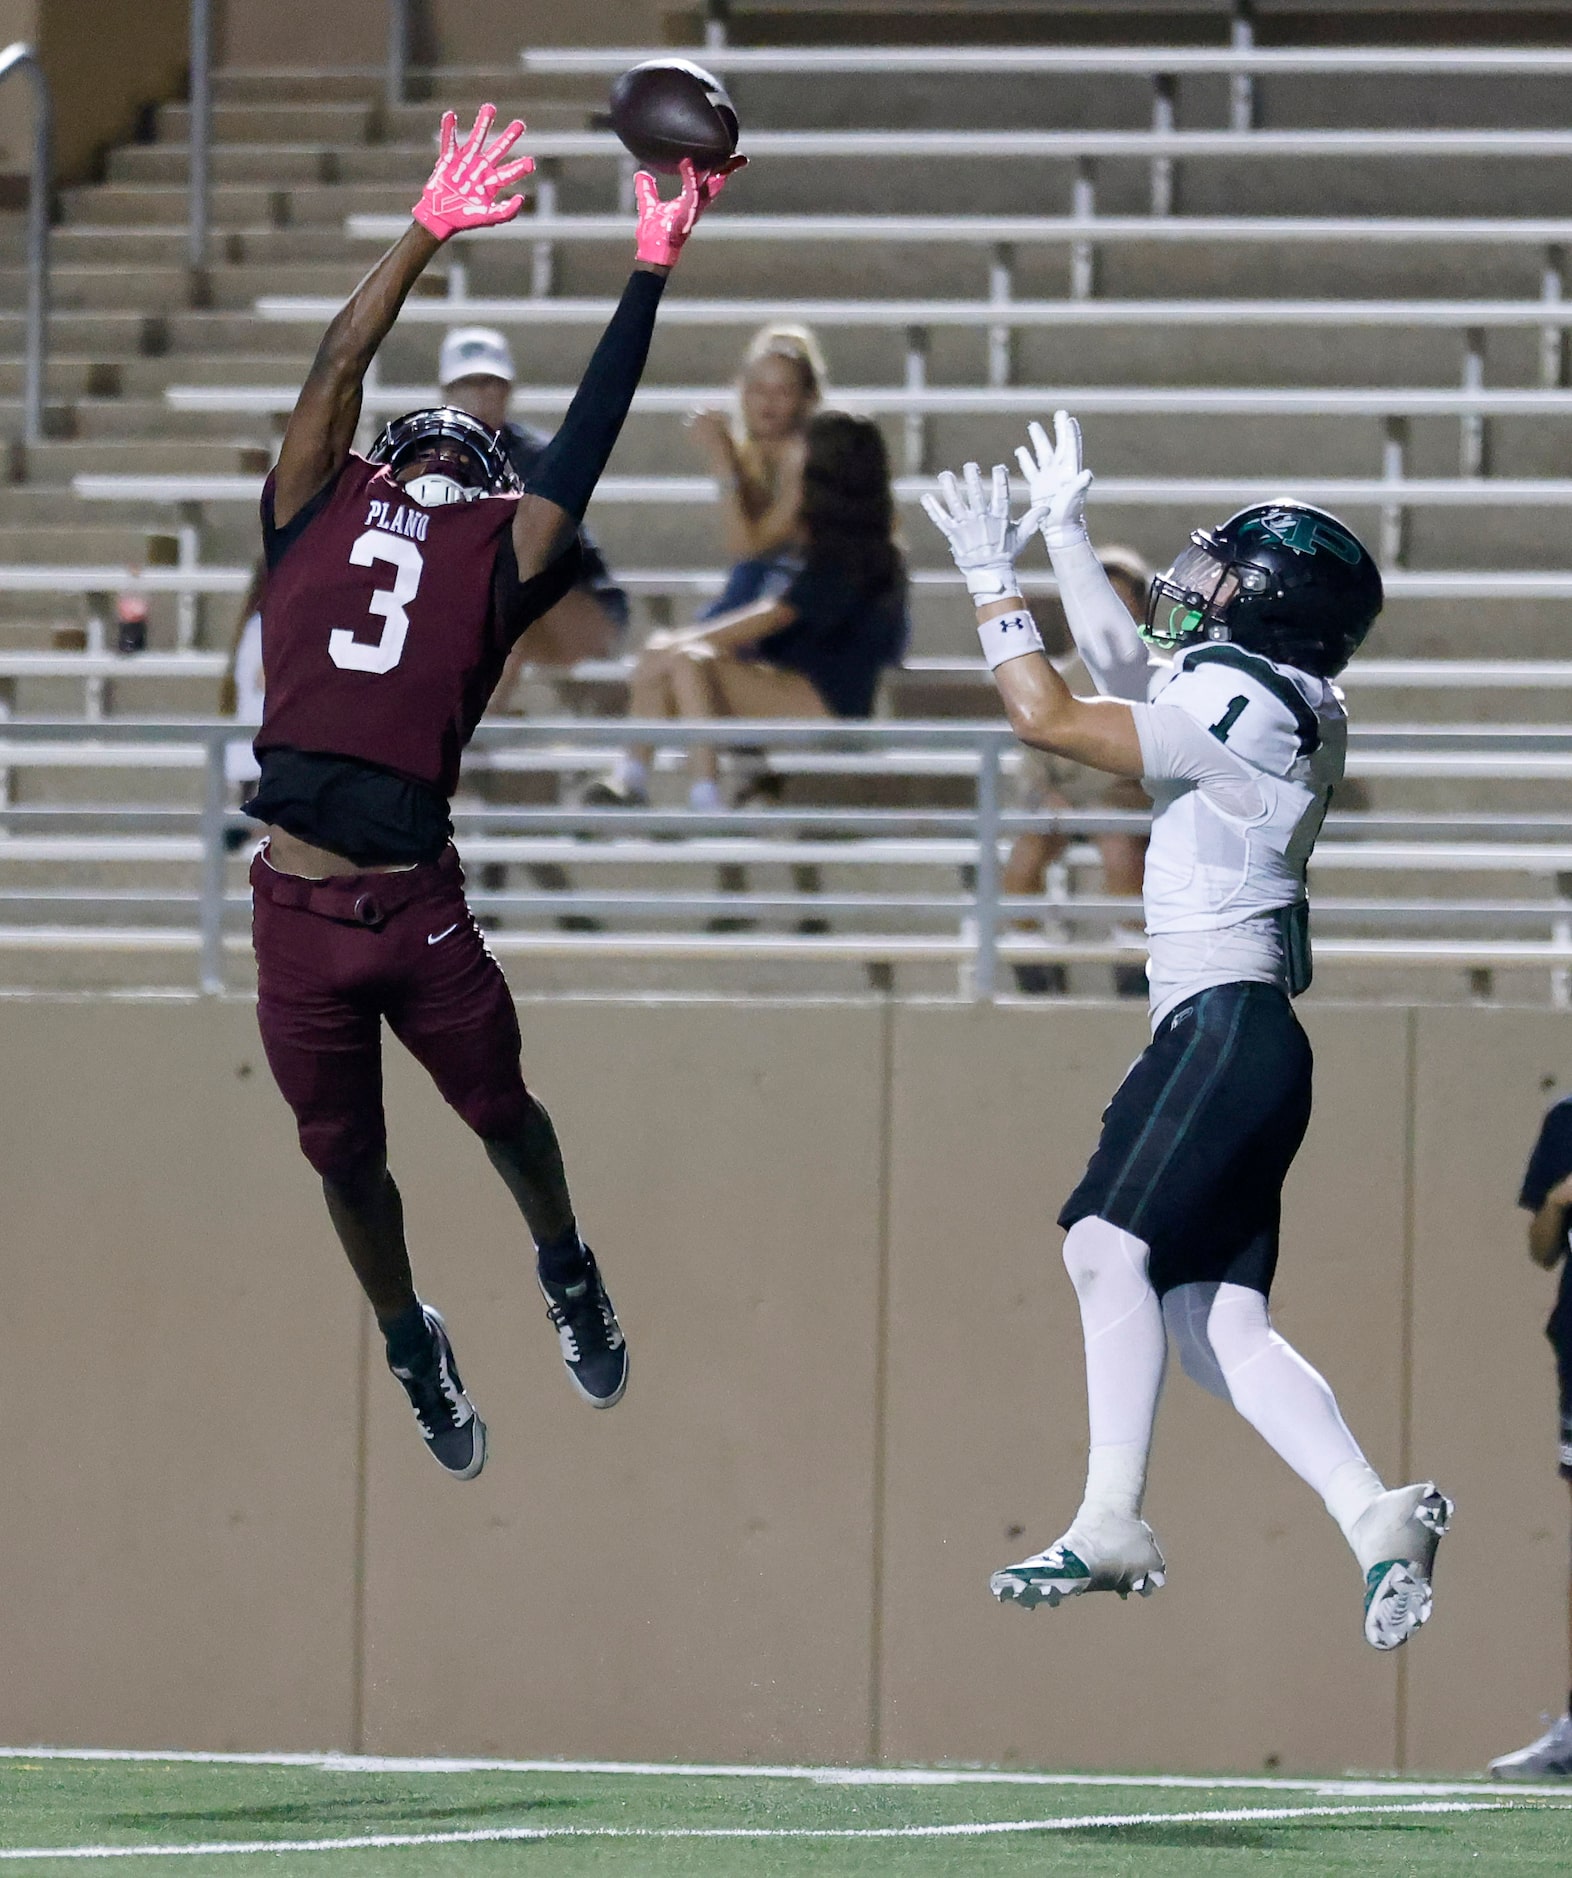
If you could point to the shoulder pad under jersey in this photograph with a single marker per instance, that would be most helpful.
(1247, 703)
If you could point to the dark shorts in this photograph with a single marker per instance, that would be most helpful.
(336, 957)
(1561, 1342)
(1199, 1137)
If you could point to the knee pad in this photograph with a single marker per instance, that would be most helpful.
(1098, 1256)
(1186, 1310)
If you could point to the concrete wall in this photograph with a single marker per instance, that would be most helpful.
(856, 1389)
(105, 60)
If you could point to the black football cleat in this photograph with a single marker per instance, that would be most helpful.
(454, 1433)
(594, 1352)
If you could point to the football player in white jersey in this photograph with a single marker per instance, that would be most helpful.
(1239, 738)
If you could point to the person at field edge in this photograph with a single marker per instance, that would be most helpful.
(398, 584)
(1046, 781)
(1172, 1231)
(1546, 1196)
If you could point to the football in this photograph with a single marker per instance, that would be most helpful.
(667, 109)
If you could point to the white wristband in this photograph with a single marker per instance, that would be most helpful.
(1007, 636)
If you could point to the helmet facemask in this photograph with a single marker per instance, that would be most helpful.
(1193, 599)
(456, 457)
(447, 473)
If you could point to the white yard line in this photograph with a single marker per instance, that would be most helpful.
(495, 1835)
(1331, 1787)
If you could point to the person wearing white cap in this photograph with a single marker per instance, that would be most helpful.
(475, 371)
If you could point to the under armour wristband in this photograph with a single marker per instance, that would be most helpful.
(1007, 636)
(571, 464)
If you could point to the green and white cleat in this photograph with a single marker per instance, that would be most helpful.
(1395, 1542)
(1107, 1554)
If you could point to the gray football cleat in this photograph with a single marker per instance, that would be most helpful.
(1100, 1554)
(1395, 1541)
(1548, 1758)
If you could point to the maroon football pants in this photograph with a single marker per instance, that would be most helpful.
(334, 958)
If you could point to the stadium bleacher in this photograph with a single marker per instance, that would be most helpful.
(1247, 271)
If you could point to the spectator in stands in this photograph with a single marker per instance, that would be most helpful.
(1547, 1197)
(814, 643)
(475, 370)
(1054, 782)
(758, 457)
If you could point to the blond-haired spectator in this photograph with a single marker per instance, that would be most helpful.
(757, 454)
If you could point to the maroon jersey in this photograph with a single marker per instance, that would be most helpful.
(386, 625)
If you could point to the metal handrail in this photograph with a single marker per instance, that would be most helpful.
(21, 57)
(974, 926)
(396, 75)
(1135, 61)
(199, 145)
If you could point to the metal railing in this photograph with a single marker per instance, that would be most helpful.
(1036, 60)
(22, 58)
(395, 80)
(971, 924)
(199, 147)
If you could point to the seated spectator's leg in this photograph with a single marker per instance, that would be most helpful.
(578, 627)
(711, 686)
(1124, 872)
(652, 692)
(1026, 872)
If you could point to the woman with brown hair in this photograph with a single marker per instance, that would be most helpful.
(815, 646)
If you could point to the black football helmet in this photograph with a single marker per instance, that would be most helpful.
(474, 458)
(1283, 579)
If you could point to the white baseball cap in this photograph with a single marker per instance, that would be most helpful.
(474, 352)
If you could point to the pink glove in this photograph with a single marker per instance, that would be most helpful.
(665, 226)
(462, 190)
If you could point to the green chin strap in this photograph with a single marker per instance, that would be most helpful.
(1184, 622)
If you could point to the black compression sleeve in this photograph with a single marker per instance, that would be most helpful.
(571, 464)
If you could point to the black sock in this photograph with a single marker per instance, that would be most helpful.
(562, 1260)
(408, 1336)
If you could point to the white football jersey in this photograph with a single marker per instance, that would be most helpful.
(1241, 756)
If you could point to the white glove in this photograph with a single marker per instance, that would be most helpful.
(1055, 480)
(983, 540)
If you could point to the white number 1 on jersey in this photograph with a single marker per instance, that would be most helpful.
(354, 655)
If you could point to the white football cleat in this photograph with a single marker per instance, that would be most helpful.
(1102, 1553)
(1395, 1541)
(1548, 1758)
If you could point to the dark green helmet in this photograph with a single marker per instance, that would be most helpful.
(1283, 579)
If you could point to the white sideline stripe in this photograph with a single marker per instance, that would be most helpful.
(1328, 1786)
(494, 1835)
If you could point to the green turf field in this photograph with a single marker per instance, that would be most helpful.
(348, 1819)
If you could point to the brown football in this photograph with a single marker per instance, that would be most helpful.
(667, 109)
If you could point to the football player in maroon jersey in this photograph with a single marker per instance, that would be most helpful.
(397, 585)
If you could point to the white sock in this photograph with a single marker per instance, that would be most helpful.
(1353, 1488)
(631, 775)
(704, 795)
(1288, 1403)
(1126, 1349)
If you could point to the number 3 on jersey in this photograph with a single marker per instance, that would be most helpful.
(391, 603)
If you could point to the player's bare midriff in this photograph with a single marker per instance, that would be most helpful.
(290, 855)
